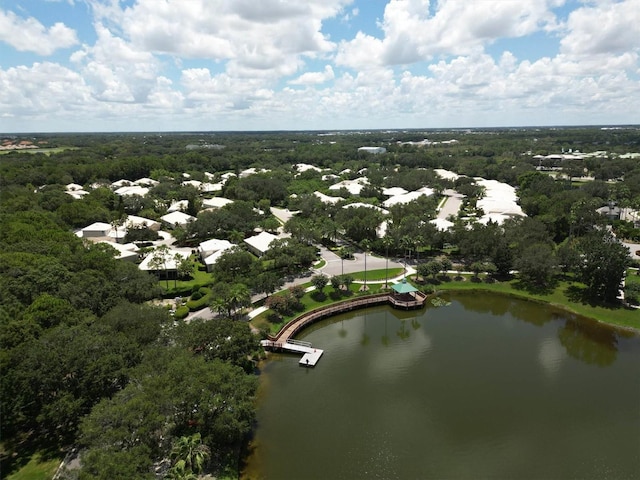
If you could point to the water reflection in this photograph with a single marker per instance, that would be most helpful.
(550, 355)
(452, 393)
(585, 342)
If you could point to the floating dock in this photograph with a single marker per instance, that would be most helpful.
(310, 355)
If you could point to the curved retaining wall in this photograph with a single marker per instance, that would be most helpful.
(307, 318)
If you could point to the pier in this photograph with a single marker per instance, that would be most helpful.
(310, 355)
(284, 341)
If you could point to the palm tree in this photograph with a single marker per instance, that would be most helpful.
(387, 241)
(189, 456)
(366, 245)
(239, 296)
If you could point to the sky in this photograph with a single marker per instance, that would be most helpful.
(212, 65)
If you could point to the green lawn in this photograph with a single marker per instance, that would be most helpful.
(199, 277)
(632, 276)
(36, 469)
(376, 275)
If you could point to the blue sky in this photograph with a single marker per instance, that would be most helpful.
(148, 65)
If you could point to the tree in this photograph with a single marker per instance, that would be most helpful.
(189, 455)
(536, 265)
(159, 261)
(319, 281)
(604, 261)
(476, 268)
(445, 265)
(336, 282)
(267, 282)
(185, 266)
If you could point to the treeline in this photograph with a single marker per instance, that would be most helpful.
(85, 362)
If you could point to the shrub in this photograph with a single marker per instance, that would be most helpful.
(196, 295)
(200, 303)
(181, 312)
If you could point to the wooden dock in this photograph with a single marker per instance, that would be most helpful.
(284, 341)
(310, 355)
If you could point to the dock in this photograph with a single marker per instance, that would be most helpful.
(310, 355)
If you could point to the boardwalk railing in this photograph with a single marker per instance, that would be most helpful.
(307, 318)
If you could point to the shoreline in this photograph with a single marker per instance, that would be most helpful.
(558, 306)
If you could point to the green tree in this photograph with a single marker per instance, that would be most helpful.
(189, 455)
(536, 265)
(604, 262)
(319, 281)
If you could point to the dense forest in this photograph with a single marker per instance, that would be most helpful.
(90, 363)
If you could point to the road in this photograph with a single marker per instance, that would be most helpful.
(334, 266)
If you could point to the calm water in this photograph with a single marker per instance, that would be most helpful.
(487, 387)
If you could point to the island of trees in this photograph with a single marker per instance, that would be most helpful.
(106, 359)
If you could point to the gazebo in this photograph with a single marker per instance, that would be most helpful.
(406, 295)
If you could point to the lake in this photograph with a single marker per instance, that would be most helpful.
(486, 387)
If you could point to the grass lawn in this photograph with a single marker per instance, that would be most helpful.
(559, 297)
(199, 277)
(36, 469)
(632, 276)
(373, 275)
(320, 263)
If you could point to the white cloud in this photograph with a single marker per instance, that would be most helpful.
(605, 28)
(314, 78)
(254, 36)
(412, 33)
(117, 71)
(43, 89)
(29, 35)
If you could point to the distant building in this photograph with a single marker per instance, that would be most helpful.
(374, 150)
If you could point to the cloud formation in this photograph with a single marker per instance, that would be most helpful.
(286, 64)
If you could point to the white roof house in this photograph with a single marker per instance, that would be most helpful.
(97, 229)
(216, 202)
(393, 191)
(133, 221)
(499, 202)
(353, 186)
(367, 205)
(252, 171)
(208, 187)
(177, 219)
(193, 183)
(327, 199)
(128, 251)
(408, 197)
(77, 194)
(132, 190)
(211, 250)
(446, 174)
(120, 183)
(214, 245)
(178, 206)
(303, 167)
(169, 261)
(72, 186)
(260, 243)
(146, 182)
(441, 224)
